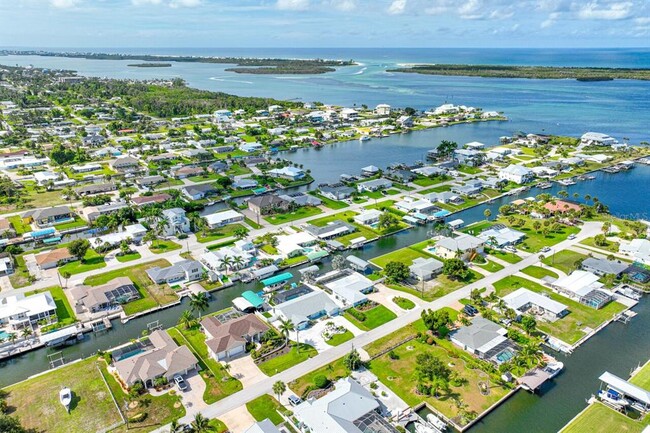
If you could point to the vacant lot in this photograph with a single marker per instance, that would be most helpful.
(565, 260)
(599, 418)
(264, 407)
(92, 261)
(288, 360)
(374, 317)
(299, 213)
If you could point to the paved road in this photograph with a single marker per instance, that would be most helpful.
(240, 398)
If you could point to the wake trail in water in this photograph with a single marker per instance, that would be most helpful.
(230, 81)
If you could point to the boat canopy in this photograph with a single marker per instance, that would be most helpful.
(59, 335)
(317, 255)
(281, 278)
(626, 388)
(254, 299)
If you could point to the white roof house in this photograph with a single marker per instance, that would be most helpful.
(639, 249)
(597, 138)
(502, 237)
(516, 173)
(425, 269)
(351, 288)
(409, 204)
(222, 218)
(522, 299)
(447, 247)
(265, 426)
(368, 217)
(340, 410)
(295, 242)
(580, 283)
(134, 232)
(20, 309)
(307, 307)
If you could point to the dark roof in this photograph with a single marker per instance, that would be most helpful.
(267, 200)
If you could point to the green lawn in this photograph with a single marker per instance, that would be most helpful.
(92, 260)
(443, 286)
(323, 221)
(404, 303)
(491, 266)
(642, 377)
(469, 169)
(36, 401)
(374, 318)
(396, 337)
(78, 222)
(598, 418)
(340, 338)
(427, 181)
(20, 277)
(264, 407)
(403, 255)
(333, 371)
(163, 245)
(252, 223)
(610, 246)
(128, 257)
(327, 202)
(505, 256)
(300, 213)
(18, 225)
(288, 360)
(219, 233)
(64, 311)
(539, 272)
(568, 328)
(564, 260)
(219, 383)
(151, 294)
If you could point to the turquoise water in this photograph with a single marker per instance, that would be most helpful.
(3, 335)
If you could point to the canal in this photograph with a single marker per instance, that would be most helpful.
(618, 348)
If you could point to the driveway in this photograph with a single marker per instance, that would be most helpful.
(238, 420)
(193, 397)
(384, 295)
(32, 266)
(245, 370)
(312, 336)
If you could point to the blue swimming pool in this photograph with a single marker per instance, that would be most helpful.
(505, 356)
(3, 335)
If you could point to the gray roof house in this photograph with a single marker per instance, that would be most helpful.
(49, 216)
(448, 248)
(117, 291)
(425, 269)
(336, 191)
(165, 359)
(265, 426)
(303, 309)
(374, 185)
(603, 266)
(331, 230)
(485, 339)
(185, 270)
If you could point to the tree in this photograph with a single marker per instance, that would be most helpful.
(528, 323)
(176, 427)
(396, 272)
(241, 232)
(352, 360)
(475, 296)
(600, 240)
(66, 276)
(436, 321)
(9, 424)
(487, 213)
(279, 388)
(79, 248)
(338, 262)
(26, 332)
(446, 148)
(606, 227)
(455, 268)
(187, 319)
(387, 220)
(201, 424)
(199, 302)
(286, 326)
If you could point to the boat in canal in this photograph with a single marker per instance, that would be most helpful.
(553, 368)
(364, 138)
(436, 422)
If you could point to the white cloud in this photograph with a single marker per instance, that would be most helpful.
(293, 5)
(145, 2)
(184, 3)
(472, 10)
(343, 5)
(64, 4)
(397, 7)
(611, 11)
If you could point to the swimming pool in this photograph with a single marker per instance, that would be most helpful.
(505, 356)
(3, 335)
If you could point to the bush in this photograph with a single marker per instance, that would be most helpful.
(361, 317)
(373, 385)
(138, 417)
(182, 236)
(392, 355)
(321, 381)
(430, 341)
(350, 220)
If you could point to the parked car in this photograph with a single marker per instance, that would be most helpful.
(470, 310)
(182, 385)
(294, 400)
(572, 237)
(545, 249)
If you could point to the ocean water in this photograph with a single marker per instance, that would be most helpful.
(620, 108)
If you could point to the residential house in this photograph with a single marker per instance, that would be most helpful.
(469, 157)
(349, 408)
(382, 110)
(220, 219)
(464, 245)
(91, 213)
(107, 296)
(368, 217)
(218, 167)
(6, 229)
(430, 171)
(444, 197)
(370, 171)
(401, 176)
(294, 244)
(307, 308)
(374, 185)
(523, 300)
(185, 270)
(562, 206)
(516, 173)
(238, 258)
(96, 188)
(486, 340)
(604, 267)
(265, 426)
(146, 200)
(49, 216)
(638, 249)
(125, 164)
(149, 181)
(187, 171)
(165, 359)
(348, 287)
(336, 191)
(584, 287)
(410, 204)
(228, 339)
(425, 269)
(597, 139)
(267, 204)
(20, 311)
(246, 183)
(6, 264)
(289, 172)
(301, 199)
(331, 230)
(177, 222)
(499, 236)
(131, 233)
(53, 258)
(198, 192)
(85, 168)
(251, 147)
(405, 121)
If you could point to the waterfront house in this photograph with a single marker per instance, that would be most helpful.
(49, 216)
(382, 110)
(410, 204)
(96, 188)
(425, 269)
(374, 185)
(500, 236)
(525, 301)
(584, 287)
(562, 206)
(267, 204)
(348, 287)
(115, 292)
(251, 147)
(444, 197)
(53, 258)
(638, 249)
(486, 340)
(331, 230)
(401, 176)
(228, 339)
(177, 222)
(185, 270)
(238, 256)
(368, 217)
(198, 192)
(294, 244)
(246, 183)
(469, 157)
(464, 245)
(597, 139)
(603, 267)
(359, 264)
(348, 408)
(289, 172)
(301, 199)
(516, 173)
(146, 200)
(369, 171)
(91, 213)
(165, 359)
(336, 191)
(220, 219)
(20, 311)
(430, 171)
(307, 308)
(131, 233)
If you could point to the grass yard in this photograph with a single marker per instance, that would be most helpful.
(20, 277)
(539, 272)
(151, 294)
(403, 303)
(327, 202)
(441, 286)
(610, 246)
(92, 260)
(219, 233)
(569, 328)
(403, 255)
(64, 311)
(340, 338)
(128, 257)
(78, 222)
(264, 407)
(394, 338)
(398, 375)
(300, 213)
(219, 383)
(428, 181)
(18, 225)
(333, 371)
(36, 401)
(322, 222)
(252, 223)
(468, 169)
(505, 256)
(288, 360)
(598, 418)
(491, 266)
(163, 245)
(642, 377)
(374, 318)
(564, 260)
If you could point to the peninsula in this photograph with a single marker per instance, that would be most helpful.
(150, 65)
(244, 65)
(533, 72)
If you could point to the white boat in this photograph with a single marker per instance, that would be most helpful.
(554, 368)
(613, 398)
(423, 428)
(65, 397)
(364, 138)
(436, 422)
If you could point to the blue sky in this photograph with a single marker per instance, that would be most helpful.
(325, 23)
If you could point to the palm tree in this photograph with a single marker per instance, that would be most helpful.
(199, 302)
(12, 338)
(26, 333)
(161, 226)
(187, 319)
(279, 388)
(176, 427)
(286, 326)
(66, 276)
(201, 424)
(238, 262)
(226, 263)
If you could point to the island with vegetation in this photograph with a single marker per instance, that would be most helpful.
(533, 72)
(150, 65)
(244, 65)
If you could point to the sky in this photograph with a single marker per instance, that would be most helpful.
(324, 23)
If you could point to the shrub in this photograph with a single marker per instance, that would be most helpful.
(357, 314)
(430, 341)
(392, 355)
(182, 236)
(321, 381)
(138, 417)
(350, 219)
(373, 385)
